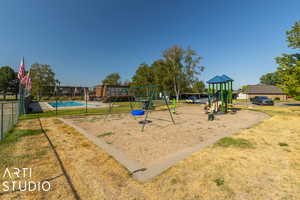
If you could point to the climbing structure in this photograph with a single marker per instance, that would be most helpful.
(220, 90)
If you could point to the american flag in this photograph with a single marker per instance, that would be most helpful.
(26, 80)
(21, 72)
(28, 83)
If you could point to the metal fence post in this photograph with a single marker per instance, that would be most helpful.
(2, 132)
(12, 112)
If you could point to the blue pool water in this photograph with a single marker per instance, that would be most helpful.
(68, 104)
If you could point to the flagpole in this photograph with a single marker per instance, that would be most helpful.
(20, 100)
(56, 99)
(26, 87)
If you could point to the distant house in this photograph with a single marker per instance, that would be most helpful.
(241, 95)
(270, 91)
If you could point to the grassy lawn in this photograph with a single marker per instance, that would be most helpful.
(261, 162)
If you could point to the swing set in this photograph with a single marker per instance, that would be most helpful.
(142, 100)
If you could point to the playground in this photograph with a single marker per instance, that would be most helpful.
(161, 138)
(157, 133)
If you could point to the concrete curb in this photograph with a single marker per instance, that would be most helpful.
(118, 155)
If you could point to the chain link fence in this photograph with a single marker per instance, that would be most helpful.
(9, 114)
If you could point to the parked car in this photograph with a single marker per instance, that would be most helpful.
(195, 100)
(262, 100)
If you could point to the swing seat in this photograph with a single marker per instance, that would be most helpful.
(138, 112)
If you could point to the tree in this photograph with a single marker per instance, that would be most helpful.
(181, 67)
(112, 79)
(7, 79)
(270, 78)
(198, 86)
(127, 82)
(43, 80)
(293, 36)
(143, 76)
(244, 88)
(161, 76)
(289, 73)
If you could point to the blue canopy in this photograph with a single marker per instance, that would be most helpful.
(227, 78)
(217, 79)
(220, 79)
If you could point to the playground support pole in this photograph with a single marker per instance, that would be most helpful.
(169, 108)
(222, 96)
(55, 103)
(147, 110)
(209, 92)
(230, 91)
(226, 93)
(86, 109)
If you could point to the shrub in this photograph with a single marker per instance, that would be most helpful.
(219, 181)
(45, 98)
(53, 98)
(297, 98)
(283, 144)
(63, 98)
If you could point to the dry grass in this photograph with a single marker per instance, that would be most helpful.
(268, 171)
(32, 151)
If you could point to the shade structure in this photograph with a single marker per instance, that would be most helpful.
(219, 79)
(226, 78)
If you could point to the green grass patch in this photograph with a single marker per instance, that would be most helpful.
(234, 142)
(7, 146)
(219, 181)
(105, 134)
(7, 160)
(14, 135)
(40, 154)
(282, 144)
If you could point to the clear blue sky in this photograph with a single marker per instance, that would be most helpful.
(84, 40)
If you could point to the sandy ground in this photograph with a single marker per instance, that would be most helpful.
(161, 137)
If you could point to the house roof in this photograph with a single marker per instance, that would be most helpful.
(263, 89)
(115, 86)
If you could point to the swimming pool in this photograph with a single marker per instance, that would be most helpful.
(69, 104)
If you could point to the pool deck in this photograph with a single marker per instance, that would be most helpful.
(44, 106)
